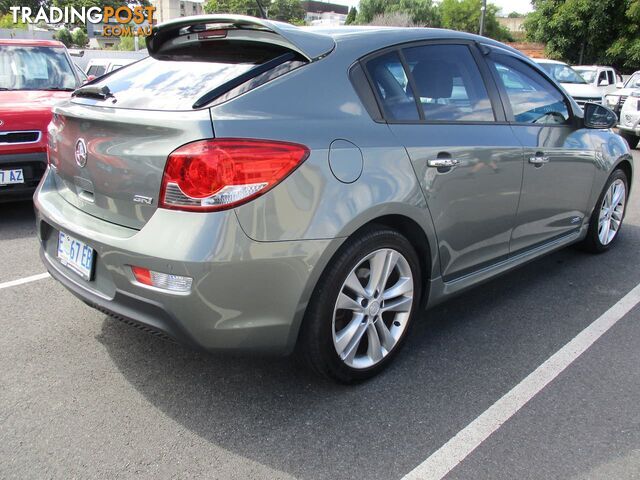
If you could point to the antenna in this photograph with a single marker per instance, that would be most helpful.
(261, 9)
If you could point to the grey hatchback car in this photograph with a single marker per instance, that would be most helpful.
(261, 187)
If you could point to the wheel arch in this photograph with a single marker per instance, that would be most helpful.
(627, 168)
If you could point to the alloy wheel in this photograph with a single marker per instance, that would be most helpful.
(373, 308)
(612, 212)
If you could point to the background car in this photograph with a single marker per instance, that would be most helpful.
(616, 100)
(254, 186)
(101, 66)
(581, 91)
(34, 75)
(605, 79)
(629, 125)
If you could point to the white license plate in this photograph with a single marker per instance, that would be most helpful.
(76, 255)
(11, 177)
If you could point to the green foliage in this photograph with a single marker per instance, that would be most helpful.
(63, 35)
(286, 11)
(422, 12)
(516, 15)
(6, 21)
(588, 31)
(127, 43)
(79, 38)
(351, 16)
(464, 15)
(242, 7)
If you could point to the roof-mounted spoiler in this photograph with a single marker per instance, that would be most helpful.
(192, 30)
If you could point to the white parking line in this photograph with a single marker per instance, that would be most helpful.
(21, 281)
(469, 438)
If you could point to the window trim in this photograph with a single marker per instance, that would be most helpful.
(499, 112)
(505, 97)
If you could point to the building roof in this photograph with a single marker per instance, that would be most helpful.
(31, 42)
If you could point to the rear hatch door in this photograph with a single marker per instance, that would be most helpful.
(109, 144)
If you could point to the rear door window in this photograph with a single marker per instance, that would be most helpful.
(449, 84)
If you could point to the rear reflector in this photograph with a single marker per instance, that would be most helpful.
(164, 281)
(222, 173)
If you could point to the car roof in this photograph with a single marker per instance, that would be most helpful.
(546, 60)
(593, 67)
(31, 42)
(372, 38)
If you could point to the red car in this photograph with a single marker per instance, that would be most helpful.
(34, 75)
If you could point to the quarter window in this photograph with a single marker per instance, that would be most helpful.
(532, 98)
(392, 86)
(450, 87)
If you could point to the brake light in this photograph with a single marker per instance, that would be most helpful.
(217, 174)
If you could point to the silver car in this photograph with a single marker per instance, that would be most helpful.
(261, 187)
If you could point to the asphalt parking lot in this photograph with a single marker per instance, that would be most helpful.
(84, 396)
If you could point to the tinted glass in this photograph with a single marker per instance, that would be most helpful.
(390, 82)
(533, 99)
(180, 78)
(449, 83)
(96, 70)
(35, 68)
(611, 77)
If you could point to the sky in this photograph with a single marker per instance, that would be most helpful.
(507, 6)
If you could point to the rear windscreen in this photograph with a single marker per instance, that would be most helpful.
(175, 82)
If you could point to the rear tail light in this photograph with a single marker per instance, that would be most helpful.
(164, 281)
(217, 174)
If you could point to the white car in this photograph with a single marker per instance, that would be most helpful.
(629, 126)
(616, 100)
(604, 79)
(101, 66)
(576, 86)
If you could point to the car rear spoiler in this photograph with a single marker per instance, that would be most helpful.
(193, 30)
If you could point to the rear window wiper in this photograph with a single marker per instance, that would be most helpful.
(93, 91)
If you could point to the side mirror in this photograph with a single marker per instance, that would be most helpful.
(604, 83)
(599, 116)
(619, 85)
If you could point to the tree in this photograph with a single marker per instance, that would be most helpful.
(393, 19)
(79, 37)
(286, 11)
(242, 7)
(464, 15)
(516, 15)
(6, 21)
(588, 31)
(423, 13)
(63, 35)
(351, 16)
(127, 43)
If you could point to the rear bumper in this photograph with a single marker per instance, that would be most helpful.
(246, 295)
(33, 166)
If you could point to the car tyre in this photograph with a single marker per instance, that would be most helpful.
(363, 307)
(631, 139)
(608, 215)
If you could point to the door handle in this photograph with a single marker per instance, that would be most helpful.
(538, 160)
(443, 162)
